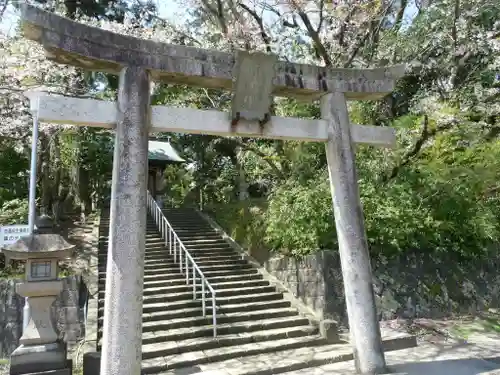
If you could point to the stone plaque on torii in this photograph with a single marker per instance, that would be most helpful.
(254, 79)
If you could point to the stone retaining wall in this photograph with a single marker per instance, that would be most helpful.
(413, 285)
(67, 312)
(311, 279)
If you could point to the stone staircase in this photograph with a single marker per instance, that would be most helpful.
(258, 330)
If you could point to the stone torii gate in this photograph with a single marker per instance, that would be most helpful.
(254, 79)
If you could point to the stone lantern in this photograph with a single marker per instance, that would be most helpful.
(40, 351)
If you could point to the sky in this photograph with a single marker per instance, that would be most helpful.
(168, 9)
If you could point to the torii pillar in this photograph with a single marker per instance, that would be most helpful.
(137, 61)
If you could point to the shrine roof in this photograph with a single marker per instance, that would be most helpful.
(163, 151)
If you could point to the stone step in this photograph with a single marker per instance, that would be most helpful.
(213, 250)
(163, 320)
(208, 245)
(171, 267)
(209, 274)
(152, 290)
(221, 276)
(156, 253)
(198, 231)
(175, 274)
(187, 295)
(164, 255)
(189, 333)
(154, 248)
(224, 305)
(161, 314)
(152, 239)
(272, 362)
(222, 318)
(239, 295)
(221, 302)
(204, 343)
(219, 244)
(284, 361)
(149, 242)
(211, 235)
(196, 358)
(222, 329)
(157, 248)
(204, 262)
(187, 229)
(181, 279)
(189, 240)
(155, 269)
(167, 259)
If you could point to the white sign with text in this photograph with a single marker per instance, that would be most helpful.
(11, 233)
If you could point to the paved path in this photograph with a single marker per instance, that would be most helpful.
(480, 355)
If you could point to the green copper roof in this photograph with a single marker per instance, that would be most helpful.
(163, 151)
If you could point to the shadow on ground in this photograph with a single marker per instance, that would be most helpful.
(468, 366)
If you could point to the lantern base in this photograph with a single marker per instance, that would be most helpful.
(40, 359)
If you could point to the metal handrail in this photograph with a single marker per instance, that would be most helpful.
(186, 261)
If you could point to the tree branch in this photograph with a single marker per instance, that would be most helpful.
(173, 28)
(12, 89)
(425, 135)
(454, 37)
(397, 25)
(399, 15)
(375, 33)
(356, 49)
(218, 13)
(3, 8)
(292, 25)
(264, 157)
(313, 34)
(321, 18)
(265, 37)
(343, 27)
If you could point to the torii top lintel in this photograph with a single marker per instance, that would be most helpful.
(73, 43)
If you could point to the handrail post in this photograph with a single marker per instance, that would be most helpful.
(203, 302)
(180, 257)
(194, 282)
(214, 314)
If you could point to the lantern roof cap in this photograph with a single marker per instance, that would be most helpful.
(38, 246)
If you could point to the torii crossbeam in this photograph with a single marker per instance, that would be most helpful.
(138, 62)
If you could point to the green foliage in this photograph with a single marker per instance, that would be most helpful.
(444, 203)
(14, 212)
(178, 184)
(244, 221)
(13, 172)
(90, 151)
(299, 218)
(437, 192)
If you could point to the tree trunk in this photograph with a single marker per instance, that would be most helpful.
(45, 173)
(84, 193)
(241, 178)
(57, 173)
